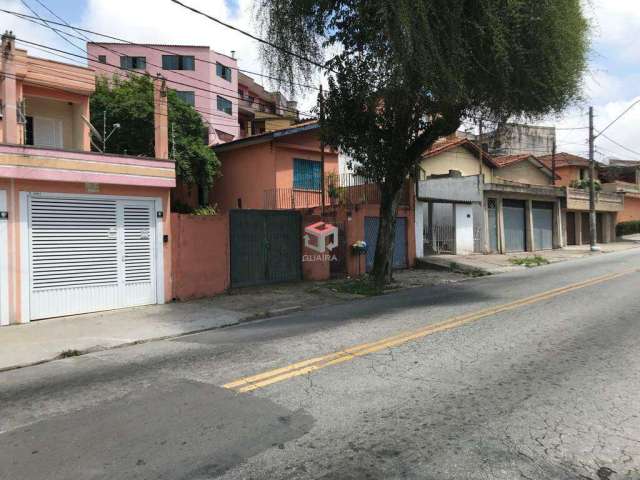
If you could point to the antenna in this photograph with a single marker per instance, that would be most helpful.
(93, 129)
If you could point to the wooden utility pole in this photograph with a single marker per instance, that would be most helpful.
(592, 186)
(322, 194)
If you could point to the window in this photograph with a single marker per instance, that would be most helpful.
(133, 63)
(223, 71)
(178, 62)
(46, 132)
(187, 97)
(306, 174)
(102, 58)
(224, 105)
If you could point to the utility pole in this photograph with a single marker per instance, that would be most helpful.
(322, 195)
(592, 186)
(553, 157)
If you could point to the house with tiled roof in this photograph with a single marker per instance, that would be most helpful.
(469, 201)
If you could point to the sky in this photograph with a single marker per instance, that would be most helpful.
(611, 84)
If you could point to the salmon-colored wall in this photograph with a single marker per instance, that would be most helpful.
(631, 210)
(246, 173)
(14, 187)
(200, 255)
(313, 268)
(567, 174)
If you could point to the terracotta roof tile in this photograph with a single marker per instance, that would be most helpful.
(564, 159)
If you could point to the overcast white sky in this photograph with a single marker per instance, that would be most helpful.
(612, 83)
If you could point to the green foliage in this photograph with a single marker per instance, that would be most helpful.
(357, 286)
(206, 211)
(585, 184)
(129, 102)
(628, 228)
(403, 73)
(529, 262)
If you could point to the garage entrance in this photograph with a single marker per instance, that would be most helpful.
(265, 247)
(89, 253)
(542, 213)
(371, 225)
(514, 225)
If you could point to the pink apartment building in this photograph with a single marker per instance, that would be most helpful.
(206, 79)
(79, 231)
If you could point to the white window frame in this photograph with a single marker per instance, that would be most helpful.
(4, 263)
(25, 275)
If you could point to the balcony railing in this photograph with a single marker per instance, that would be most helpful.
(340, 190)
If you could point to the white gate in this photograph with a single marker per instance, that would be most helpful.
(90, 253)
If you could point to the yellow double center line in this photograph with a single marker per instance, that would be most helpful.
(305, 367)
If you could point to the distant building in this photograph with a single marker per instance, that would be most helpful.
(517, 139)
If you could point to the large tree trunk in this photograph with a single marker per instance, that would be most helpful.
(391, 192)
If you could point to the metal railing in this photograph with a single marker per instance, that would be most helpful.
(340, 190)
(440, 239)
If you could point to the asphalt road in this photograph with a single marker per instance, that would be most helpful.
(532, 375)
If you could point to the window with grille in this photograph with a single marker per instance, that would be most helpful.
(306, 174)
(133, 63)
(102, 58)
(223, 71)
(187, 97)
(178, 62)
(224, 105)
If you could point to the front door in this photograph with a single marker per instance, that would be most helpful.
(88, 254)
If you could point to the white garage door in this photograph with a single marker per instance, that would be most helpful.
(88, 254)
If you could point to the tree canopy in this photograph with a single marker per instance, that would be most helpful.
(129, 102)
(403, 73)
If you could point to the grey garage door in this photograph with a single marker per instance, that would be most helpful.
(371, 225)
(265, 247)
(542, 213)
(514, 225)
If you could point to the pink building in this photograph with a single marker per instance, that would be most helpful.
(79, 231)
(206, 79)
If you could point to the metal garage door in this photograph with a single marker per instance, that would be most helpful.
(542, 213)
(265, 247)
(371, 225)
(88, 254)
(514, 225)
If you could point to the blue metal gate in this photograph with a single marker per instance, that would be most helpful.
(371, 225)
(514, 225)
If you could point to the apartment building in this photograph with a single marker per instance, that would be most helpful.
(202, 77)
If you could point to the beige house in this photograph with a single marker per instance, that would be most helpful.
(471, 202)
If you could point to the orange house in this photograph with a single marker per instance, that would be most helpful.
(275, 170)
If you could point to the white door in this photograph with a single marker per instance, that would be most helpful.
(464, 229)
(88, 254)
(47, 132)
(4, 262)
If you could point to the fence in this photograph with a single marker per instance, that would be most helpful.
(340, 190)
(440, 239)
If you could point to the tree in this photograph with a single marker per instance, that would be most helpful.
(403, 73)
(129, 102)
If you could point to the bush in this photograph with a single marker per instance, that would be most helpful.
(207, 211)
(628, 228)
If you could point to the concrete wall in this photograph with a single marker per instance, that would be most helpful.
(452, 189)
(524, 172)
(56, 110)
(459, 159)
(200, 255)
(515, 139)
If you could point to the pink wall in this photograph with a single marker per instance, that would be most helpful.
(199, 269)
(203, 80)
(14, 187)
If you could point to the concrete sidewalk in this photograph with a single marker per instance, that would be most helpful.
(493, 264)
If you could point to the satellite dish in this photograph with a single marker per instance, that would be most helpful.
(92, 128)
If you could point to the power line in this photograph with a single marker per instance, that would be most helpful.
(142, 73)
(618, 117)
(250, 35)
(619, 144)
(46, 25)
(24, 16)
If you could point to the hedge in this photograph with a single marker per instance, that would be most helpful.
(628, 228)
